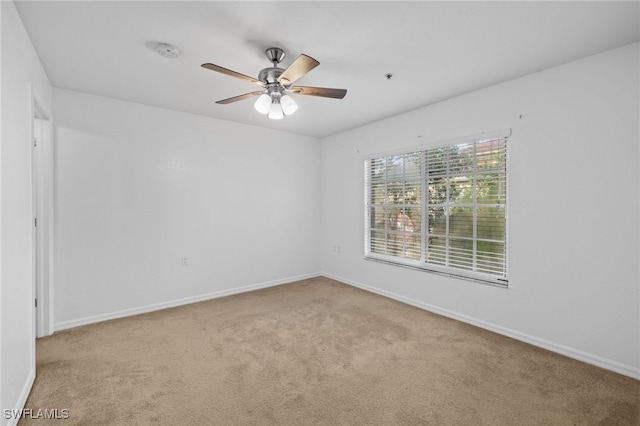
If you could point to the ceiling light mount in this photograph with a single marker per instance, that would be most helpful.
(275, 55)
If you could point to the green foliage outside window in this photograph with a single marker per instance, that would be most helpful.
(465, 191)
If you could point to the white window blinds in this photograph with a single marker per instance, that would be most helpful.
(441, 209)
(395, 218)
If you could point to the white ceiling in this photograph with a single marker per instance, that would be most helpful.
(435, 50)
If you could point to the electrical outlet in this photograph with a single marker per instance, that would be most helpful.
(184, 261)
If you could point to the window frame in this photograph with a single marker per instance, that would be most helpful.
(422, 264)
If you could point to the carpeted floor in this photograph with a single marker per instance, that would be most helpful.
(314, 352)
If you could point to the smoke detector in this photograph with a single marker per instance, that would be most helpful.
(167, 51)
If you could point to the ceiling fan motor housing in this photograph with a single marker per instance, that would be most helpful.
(270, 75)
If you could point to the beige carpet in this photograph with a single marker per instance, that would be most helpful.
(315, 352)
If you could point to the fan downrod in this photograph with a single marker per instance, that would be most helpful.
(269, 76)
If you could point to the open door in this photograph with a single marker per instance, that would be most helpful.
(42, 202)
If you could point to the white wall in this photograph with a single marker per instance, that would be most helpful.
(573, 209)
(139, 187)
(22, 77)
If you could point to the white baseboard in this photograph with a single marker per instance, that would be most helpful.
(577, 354)
(22, 400)
(178, 302)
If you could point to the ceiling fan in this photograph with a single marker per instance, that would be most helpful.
(276, 82)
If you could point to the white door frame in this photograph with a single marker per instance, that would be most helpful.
(41, 132)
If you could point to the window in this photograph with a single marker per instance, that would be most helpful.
(441, 209)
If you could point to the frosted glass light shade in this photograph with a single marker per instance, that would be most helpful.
(275, 113)
(289, 106)
(263, 104)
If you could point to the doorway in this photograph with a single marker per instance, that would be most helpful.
(42, 209)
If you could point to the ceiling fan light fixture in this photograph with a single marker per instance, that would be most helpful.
(289, 106)
(275, 112)
(263, 104)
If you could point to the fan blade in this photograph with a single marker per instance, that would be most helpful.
(320, 91)
(239, 97)
(222, 70)
(302, 65)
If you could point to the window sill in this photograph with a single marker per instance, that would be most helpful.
(479, 278)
